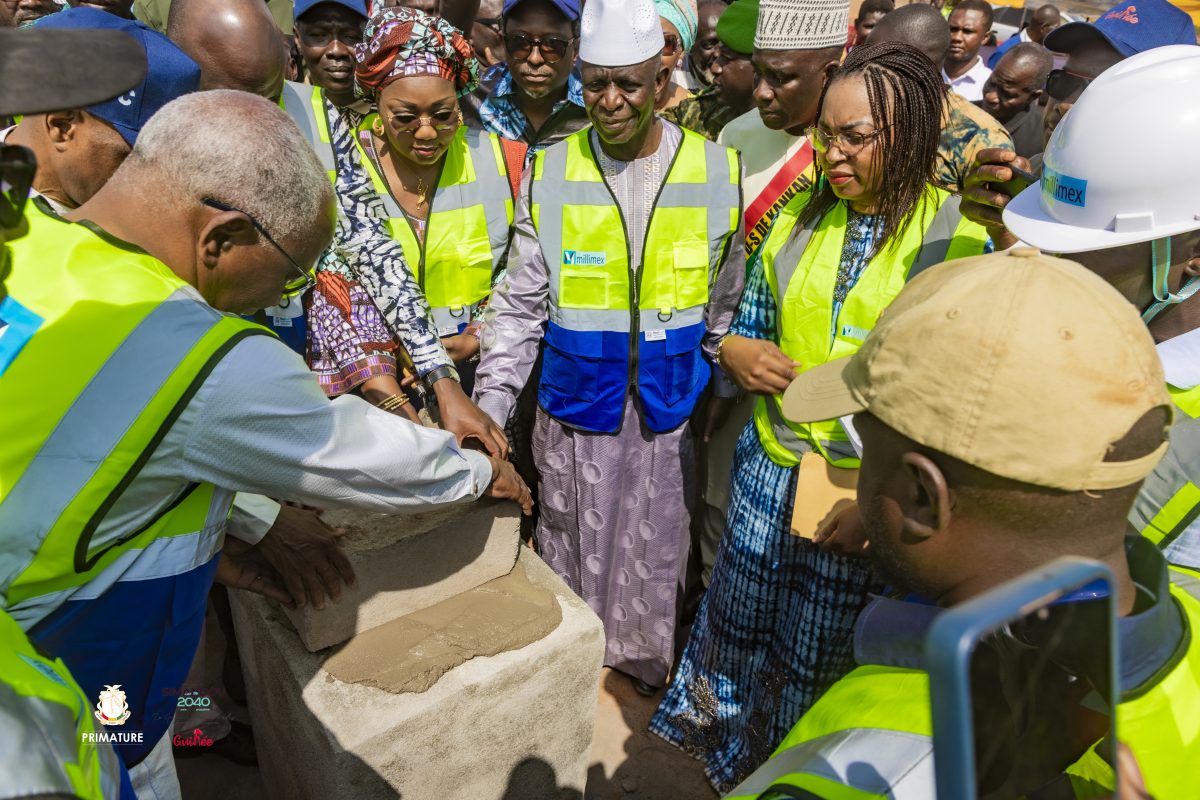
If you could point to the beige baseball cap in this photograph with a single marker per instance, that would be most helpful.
(1026, 366)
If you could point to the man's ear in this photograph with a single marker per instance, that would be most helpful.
(927, 509)
(1036, 97)
(61, 126)
(220, 233)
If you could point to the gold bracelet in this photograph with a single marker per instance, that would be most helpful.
(717, 352)
(392, 402)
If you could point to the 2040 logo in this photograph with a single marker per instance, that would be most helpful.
(192, 700)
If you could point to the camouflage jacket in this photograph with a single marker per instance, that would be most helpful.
(702, 113)
(966, 130)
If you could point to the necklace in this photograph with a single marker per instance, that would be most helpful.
(422, 193)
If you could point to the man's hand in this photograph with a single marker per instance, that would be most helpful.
(304, 551)
(507, 485)
(241, 567)
(982, 199)
(464, 419)
(461, 347)
(844, 535)
(757, 365)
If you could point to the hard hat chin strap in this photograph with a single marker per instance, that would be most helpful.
(1160, 273)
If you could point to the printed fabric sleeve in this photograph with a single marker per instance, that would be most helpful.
(756, 312)
(515, 319)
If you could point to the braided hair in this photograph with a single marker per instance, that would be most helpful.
(908, 100)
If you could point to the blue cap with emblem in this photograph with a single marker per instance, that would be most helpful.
(1132, 27)
(170, 72)
(357, 6)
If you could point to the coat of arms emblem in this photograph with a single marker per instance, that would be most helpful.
(112, 709)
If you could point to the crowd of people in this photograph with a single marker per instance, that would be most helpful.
(781, 327)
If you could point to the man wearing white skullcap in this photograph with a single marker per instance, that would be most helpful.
(627, 259)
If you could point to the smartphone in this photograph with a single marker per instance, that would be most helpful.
(1019, 182)
(1023, 683)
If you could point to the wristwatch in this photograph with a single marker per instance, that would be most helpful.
(444, 371)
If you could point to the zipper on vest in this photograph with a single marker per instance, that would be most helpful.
(634, 318)
(421, 240)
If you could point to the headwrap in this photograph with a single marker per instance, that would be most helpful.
(400, 42)
(682, 14)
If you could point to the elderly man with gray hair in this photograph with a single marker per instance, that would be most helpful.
(116, 485)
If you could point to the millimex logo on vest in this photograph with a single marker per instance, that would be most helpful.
(1064, 188)
(582, 258)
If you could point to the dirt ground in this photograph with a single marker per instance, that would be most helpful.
(627, 761)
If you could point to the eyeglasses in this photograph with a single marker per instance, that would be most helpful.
(307, 278)
(440, 121)
(850, 143)
(552, 48)
(671, 43)
(1064, 85)
(17, 167)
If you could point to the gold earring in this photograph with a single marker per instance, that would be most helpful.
(377, 127)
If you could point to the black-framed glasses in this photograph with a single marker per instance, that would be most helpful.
(1064, 85)
(17, 167)
(553, 48)
(671, 44)
(850, 143)
(307, 279)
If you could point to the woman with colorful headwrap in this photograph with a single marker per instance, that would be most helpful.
(679, 23)
(444, 190)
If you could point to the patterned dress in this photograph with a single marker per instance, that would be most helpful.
(774, 630)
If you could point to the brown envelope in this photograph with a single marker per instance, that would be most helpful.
(822, 492)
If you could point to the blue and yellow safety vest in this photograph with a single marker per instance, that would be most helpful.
(613, 327)
(121, 345)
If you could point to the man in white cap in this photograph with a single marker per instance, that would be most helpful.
(627, 260)
(1137, 225)
(1002, 428)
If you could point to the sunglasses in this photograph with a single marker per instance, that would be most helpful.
(299, 285)
(1062, 85)
(552, 48)
(850, 143)
(671, 43)
(17, 167)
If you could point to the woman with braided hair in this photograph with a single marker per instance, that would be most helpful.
(444, 192)
(775, 628)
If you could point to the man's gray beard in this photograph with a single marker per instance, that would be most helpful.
(537, 94)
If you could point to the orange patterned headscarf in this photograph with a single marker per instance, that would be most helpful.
(399, 42)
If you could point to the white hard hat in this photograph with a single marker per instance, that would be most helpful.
(1123, 166)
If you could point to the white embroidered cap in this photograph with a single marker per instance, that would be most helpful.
(618, 33)
(802, 24)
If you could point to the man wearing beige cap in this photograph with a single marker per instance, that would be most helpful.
(1001, 429)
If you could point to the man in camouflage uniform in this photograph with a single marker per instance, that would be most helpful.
(711, 109)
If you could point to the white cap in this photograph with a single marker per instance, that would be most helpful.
(802, 24)
(618, 33)
(1092, 195)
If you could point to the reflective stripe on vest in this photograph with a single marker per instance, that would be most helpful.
(140, 344)
(1162, 725)
(596, 347)
(306, 106)
(1169, 500)
(467, 231)
(848, 765)
(45, 715)
(801, 268)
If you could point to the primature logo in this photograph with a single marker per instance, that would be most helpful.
(581, 258)
(1064, 188)
(113, 708)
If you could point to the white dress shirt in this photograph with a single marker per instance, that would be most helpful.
(970, 83)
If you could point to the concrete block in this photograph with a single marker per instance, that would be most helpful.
(411, 562)
(513, 726)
